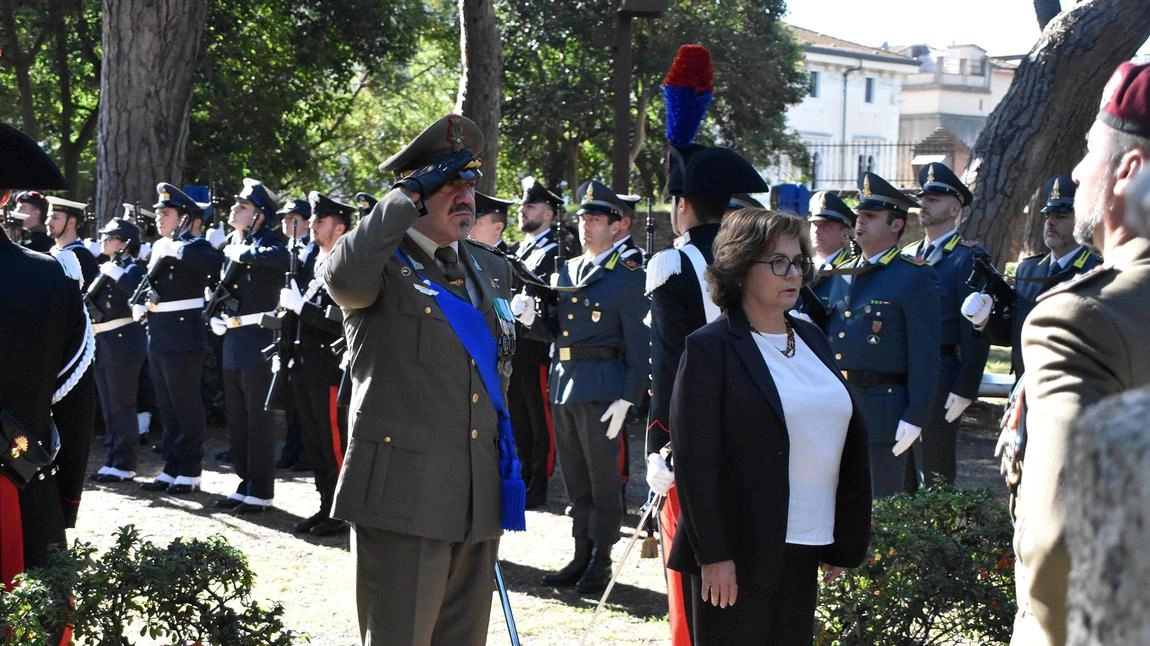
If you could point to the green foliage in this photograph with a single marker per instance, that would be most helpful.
(196, 591)
(940, 570)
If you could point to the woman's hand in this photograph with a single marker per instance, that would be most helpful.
(831, 572)
(719, 586)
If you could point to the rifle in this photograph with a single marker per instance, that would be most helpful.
(98, 284)
(285, 322)
(986, 279)
(222, 299)
(146, 290)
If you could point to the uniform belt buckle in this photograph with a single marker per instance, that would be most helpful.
(564, 354)
(234, 322)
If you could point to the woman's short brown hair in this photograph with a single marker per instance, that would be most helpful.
(744, 236)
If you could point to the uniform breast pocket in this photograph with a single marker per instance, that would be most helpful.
(881, 322)
(433, 333)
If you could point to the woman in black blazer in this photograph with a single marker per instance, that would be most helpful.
(769, 447)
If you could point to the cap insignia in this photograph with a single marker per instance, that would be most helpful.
(164, 197)
(866, 186)
(930, 173)
(590, 193)
(455, 132)
(1056, 191)
(19, 446)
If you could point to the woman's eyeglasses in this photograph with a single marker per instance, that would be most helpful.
(781, 265)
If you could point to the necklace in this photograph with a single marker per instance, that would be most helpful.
(790, 349)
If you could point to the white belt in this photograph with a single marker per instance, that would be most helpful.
(246, 319)
(111, 325)
(175, 306)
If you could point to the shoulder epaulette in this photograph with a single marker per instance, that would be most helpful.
(970, 243)
(661, 267)
(486, 247)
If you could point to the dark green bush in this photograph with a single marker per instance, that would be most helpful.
(940, 570)
(192, 591)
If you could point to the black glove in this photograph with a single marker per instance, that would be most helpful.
(429, 179)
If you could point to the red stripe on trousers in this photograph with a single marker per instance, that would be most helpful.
(336, 432)
(11, 533)
(546, 392)
(676, 603)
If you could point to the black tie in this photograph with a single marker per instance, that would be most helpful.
(585, 270)
(451, 268)
(1054, 268)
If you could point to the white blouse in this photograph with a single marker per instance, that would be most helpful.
(817, 410)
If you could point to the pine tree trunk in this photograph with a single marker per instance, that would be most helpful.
(1039, 128)
(150, 51)
(481, 83)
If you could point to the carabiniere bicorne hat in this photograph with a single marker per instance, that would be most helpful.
(485, 204)
(450, 134)
(829, 207)
(263, 198)
(743, 201)
(121, 228)
(168, 195)
(937, 179)
(1059, 195)
(24, 163)
(322, 206)
(876, 194)
(596, 199)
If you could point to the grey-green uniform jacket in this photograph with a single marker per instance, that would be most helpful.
(422, 457)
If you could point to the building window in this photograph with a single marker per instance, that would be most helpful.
(869, 89)
(814, 84)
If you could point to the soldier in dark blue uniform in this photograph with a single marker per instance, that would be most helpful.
(883, 325)
(962, 354)
(64, 221)
(702, 183)
(253, 276)
(179, 268)
(315, 369)
(45, 345)
(628, 250)
(1035, 274)
(121, 346)
(296, 213)
(527, 395)
(832, 230)
(599, 369)
(32, 208)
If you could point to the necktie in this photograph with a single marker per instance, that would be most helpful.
(924, 251)
(451, 268)
(585, 269)
(1054, 268)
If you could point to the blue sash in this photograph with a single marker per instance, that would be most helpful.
(471, 328)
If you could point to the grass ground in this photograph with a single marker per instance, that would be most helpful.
(314, 577)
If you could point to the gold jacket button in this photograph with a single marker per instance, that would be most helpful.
(574, 299)
(387, 439)
(474, 398)
(842, 334)
(566, 333)
(847, 314)
(474, 434)
(427, 310)
(570, 317)
(838, 357)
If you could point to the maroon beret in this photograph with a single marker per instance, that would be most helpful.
(1126, 99)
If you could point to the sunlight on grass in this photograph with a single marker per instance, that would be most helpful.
(999, 360)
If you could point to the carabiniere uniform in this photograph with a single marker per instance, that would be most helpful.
(177, 342)
(962, 353)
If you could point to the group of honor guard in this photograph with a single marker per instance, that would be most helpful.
(582, 330)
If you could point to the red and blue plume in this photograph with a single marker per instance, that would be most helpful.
(688, 91)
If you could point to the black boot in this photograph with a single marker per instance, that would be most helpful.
(304, 526)
(573, 570)
(598, 573)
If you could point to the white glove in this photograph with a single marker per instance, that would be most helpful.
(276, 364)
(234, 251)
(904, 436)
(145, 251)
(523, 308)
(112, 270)
(94, 247)
(976, 308)
(616, 413)
(955, 404)
(139, 312)
(219, 325)
(216, 236)
(291, 299)
(659, 475)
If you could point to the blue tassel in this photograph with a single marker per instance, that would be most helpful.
(686, 108)
(513, 502)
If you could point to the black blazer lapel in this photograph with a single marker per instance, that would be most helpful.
(748, 352)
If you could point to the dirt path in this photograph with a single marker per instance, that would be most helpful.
(313, 577)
